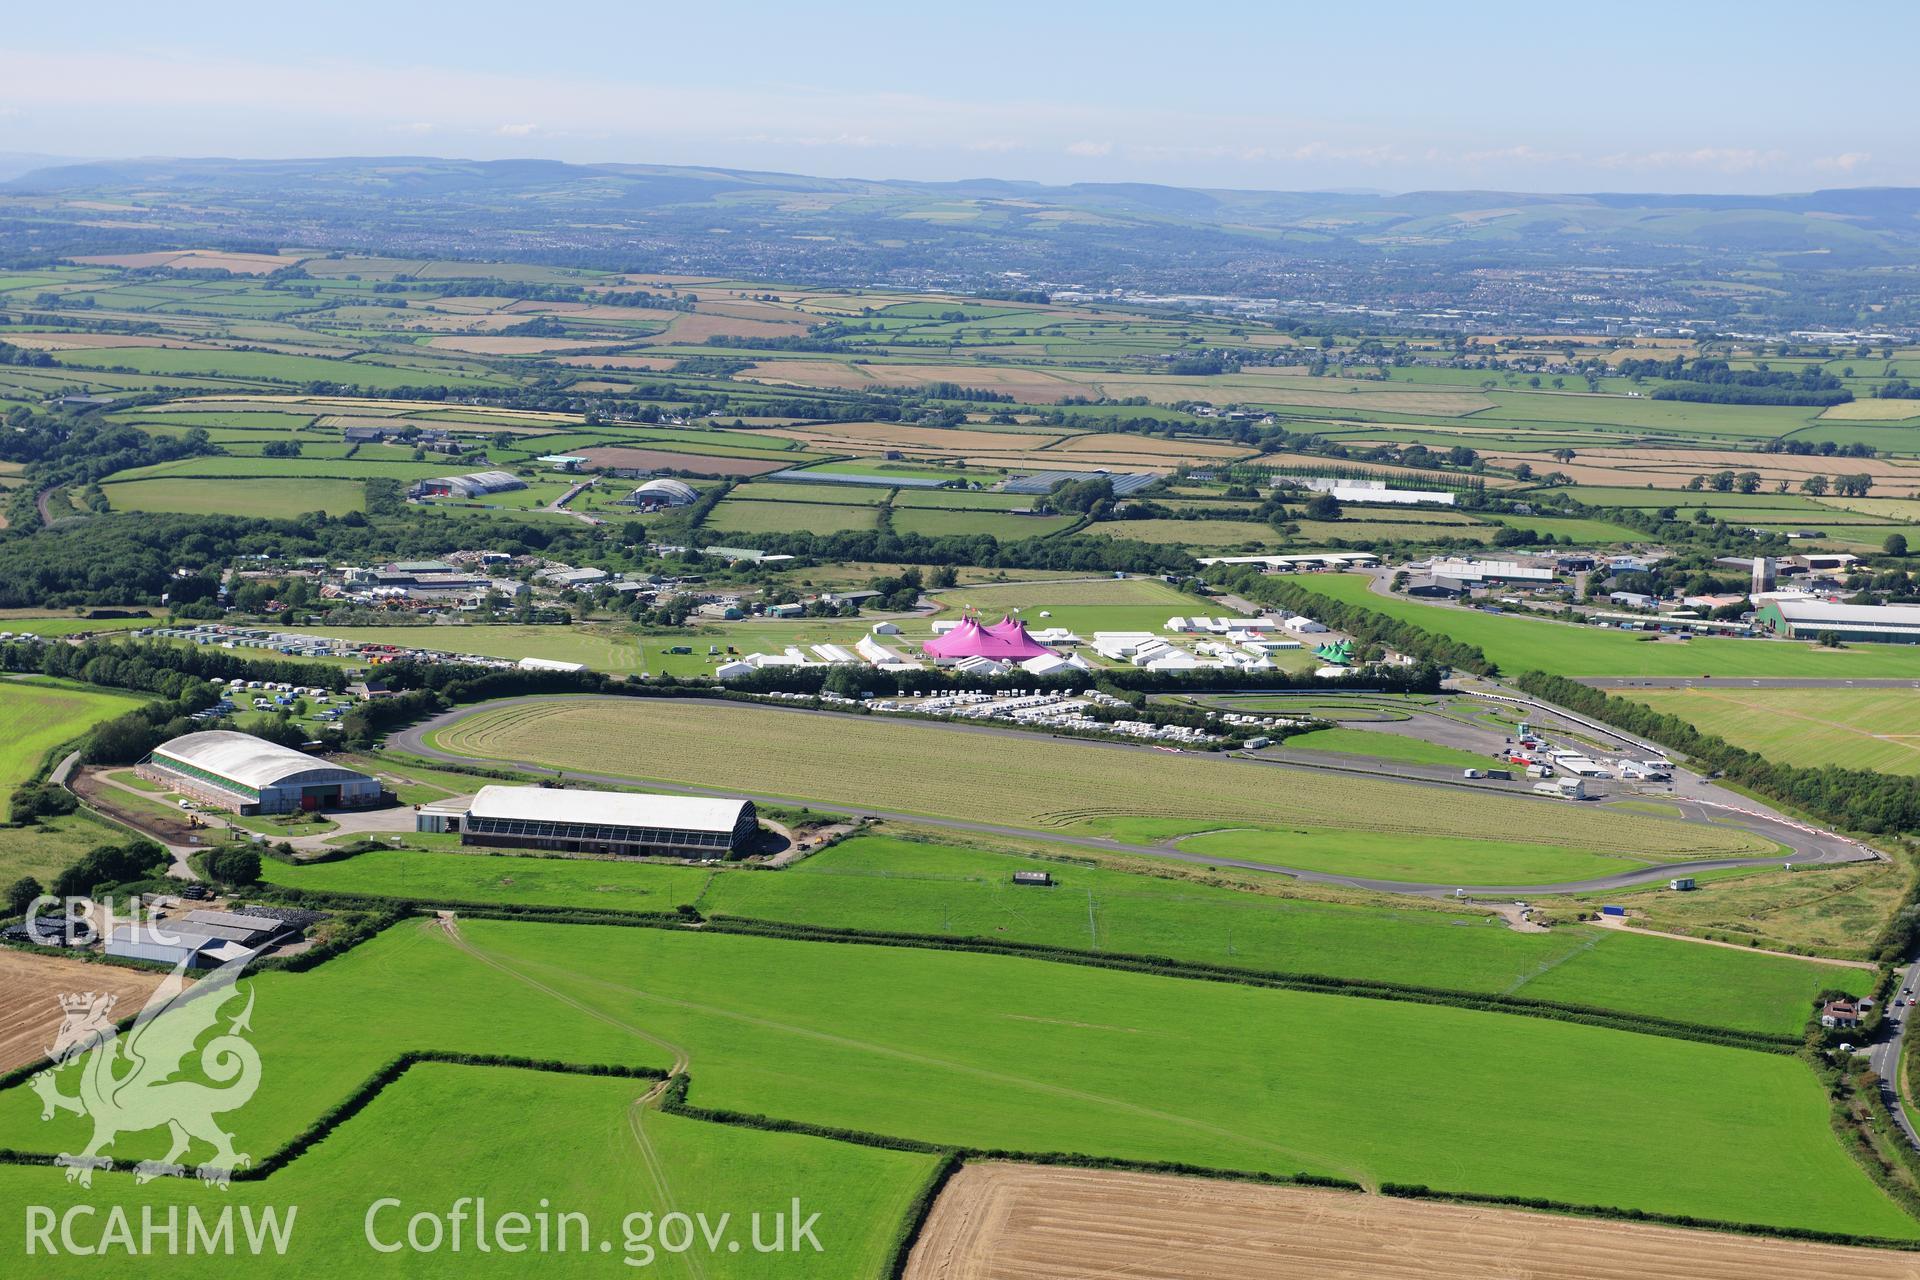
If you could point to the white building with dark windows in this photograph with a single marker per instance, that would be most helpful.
(250, 775)
(615, 822)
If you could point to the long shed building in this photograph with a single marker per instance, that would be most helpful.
(250, 775)
(1873, 623)
(616, 822)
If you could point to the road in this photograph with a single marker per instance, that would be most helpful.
(1884, 1056)
(1808, 846)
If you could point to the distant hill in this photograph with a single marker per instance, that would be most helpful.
(1359, 246)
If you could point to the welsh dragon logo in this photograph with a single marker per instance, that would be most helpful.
(130, 1081)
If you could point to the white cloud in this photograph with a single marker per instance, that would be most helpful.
(517, 130)
(1090, 149)
(1846, 163)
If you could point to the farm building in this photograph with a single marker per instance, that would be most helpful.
(1806, 619)
(202, 938)
(663, 492)
(616, 822)
(250, 775)
(473, 485)
(1377, 491)
(1124, 482)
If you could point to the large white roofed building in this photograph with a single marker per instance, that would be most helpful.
(249, 775)
(1807, 618)
(618, 822)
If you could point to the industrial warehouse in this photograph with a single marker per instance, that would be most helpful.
(250, 775)
(613, 822)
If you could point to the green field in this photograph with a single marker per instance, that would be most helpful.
(1877, 729)
(599, 647)
(1083, 605)
(1028, 1055)
(882, 882)
(931, 770)
(932, 522)
(525, 1139)
(1192, 533)
(261, 497)
(41, 715)
(1523, 644)
(737, 515)
(1385, 746)
(1460, 860)
(270, 366)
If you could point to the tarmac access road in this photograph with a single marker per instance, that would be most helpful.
(1808, 846)
(1884, 1054)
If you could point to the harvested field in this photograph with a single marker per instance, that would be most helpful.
(1673, 468)
(621, 456)
(1022, 1222)
(1872, 411)
(509, 344)
(1152, 446)
(945, 441)
(83, 341)
(693, 328)
(1030, 386)
(30, 988)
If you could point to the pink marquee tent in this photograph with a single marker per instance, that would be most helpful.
(1005, 639)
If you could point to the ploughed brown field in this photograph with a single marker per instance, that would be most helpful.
(30, 989)
(1029, 1222)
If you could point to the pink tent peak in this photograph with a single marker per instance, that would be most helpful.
(1004, 639)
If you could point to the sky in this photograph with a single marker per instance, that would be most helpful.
(1676, 97)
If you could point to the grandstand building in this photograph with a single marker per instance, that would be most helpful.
(615, 822)
(1809, 618)
(250, 775)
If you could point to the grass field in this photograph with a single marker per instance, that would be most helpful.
(945, 772)
(1033, 1056)
(883, 882)
(602, 648)
(736, 515)
(267, 498)
(1523, 644)
(1385, 746)
(1876, 729)
(933, 522)
(43, 714)
(1081, 605)
(526, 1139)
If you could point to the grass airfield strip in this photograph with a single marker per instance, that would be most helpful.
(989, 1051)
(1876, 729)
(882, 882)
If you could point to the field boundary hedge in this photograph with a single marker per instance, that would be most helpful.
(361, 1097)
(1162, 966)
(1420, 1191)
